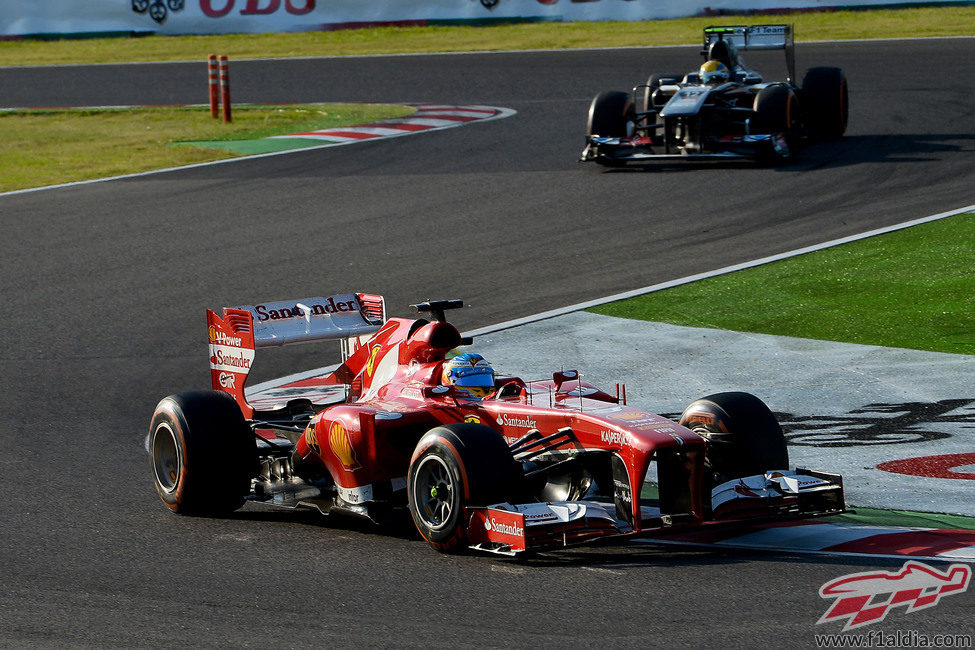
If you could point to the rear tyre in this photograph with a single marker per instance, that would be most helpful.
(611, 115)
(203, 454)
(826, 103)
(454, 467)
(743, 436)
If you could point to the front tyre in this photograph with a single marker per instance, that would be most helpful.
(202, 452)
(454, 467)
(743, 436)
(654, 82)
(776, 112)
(611, 115)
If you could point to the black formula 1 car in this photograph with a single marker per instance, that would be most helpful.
(724, 110)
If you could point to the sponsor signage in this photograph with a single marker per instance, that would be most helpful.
(312, 319)
(341, 444)
(615, 438)
(22, 17)
(231, 359)
(499, 526)
(287, 310)
(517, 421)
(355, 495)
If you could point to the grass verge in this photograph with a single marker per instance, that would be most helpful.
(910, 289)
(840, 25)
(47, 147)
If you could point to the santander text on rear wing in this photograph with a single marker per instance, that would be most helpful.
(235, 335)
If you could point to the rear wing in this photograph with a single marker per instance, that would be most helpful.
(755, 37)
(235, 336)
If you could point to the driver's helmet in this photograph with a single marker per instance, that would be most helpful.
(714, 72)
(469, 372)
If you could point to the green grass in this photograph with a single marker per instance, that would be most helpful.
(913, 288)
(39, 149)
(46, 147)
(908, 22)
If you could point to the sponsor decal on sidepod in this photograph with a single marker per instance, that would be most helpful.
(522, 423)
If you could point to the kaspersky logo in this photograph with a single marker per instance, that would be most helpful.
(865, 598)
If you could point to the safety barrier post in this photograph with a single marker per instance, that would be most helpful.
(214, 91)
(225, 87)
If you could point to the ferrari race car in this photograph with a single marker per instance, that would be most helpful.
(723, 110)
(498, 464)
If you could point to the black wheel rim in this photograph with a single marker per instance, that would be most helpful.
(434, 490)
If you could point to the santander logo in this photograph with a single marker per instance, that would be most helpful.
(865, 598)
(503, 528)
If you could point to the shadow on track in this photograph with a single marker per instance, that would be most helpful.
(849, 151)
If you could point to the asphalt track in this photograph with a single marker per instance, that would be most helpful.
(104, 285)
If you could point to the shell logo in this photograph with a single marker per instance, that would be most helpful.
(212, 332)
(338, 440)
(311, 440)
(472, 419)
(370, 365)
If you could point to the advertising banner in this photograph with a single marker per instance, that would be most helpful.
(43, 17)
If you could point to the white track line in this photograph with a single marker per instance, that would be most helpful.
(553, 313)
(446, 124)
(710, 274)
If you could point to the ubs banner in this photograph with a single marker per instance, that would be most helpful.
(37, 17)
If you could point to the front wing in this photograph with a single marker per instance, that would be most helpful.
(509, 529)
(641, 149)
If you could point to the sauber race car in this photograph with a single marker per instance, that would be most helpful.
(723, 110)
(478, 459)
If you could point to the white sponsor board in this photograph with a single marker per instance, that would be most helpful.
(26, 17)
(844, 408)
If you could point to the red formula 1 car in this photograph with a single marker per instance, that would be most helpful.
(531, 465)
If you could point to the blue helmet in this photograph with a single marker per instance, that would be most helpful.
(469, 372)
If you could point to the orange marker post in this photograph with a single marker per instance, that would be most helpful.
(213, 83)
(225, 87)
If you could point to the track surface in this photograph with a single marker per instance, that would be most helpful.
(103, 290)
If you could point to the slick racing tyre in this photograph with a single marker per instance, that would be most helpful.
(203, 454)
(826, 103)
(743, 436)
(654, 82)
(453, 467)
(776, 110)
(611, 115)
